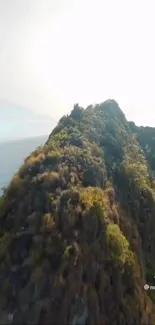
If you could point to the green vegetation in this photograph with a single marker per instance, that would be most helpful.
(77, 227)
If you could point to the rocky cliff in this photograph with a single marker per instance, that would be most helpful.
(77, 225)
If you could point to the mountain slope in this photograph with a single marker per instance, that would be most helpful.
(146, 139)
(77, 226)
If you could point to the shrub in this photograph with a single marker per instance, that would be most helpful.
(48, 221)
(118, 246)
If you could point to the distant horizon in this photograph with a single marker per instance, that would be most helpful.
(18, 122)
(8, 140)
(13, 154)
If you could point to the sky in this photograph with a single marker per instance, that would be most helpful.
(18, 122)
(54, 53)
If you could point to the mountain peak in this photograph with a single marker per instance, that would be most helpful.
(77, 225)
(112, 109)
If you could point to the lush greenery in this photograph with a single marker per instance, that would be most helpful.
(77, 229)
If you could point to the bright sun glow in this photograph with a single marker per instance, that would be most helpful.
(84, 51)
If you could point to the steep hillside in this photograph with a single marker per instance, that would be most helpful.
(77, 228)
(146, 138)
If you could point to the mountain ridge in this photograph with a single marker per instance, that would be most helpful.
(77, 225)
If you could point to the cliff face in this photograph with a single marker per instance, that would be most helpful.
(77, 228)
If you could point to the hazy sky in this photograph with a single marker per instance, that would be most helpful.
(54, 53)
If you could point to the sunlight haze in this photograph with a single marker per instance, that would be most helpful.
(54, 53)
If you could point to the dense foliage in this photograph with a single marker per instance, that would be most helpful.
(77, 228)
